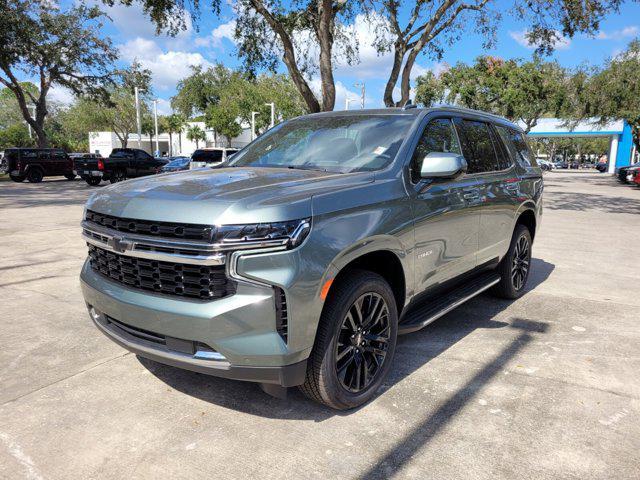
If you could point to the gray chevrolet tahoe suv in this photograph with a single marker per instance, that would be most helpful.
(300, 261)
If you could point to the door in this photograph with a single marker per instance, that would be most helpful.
(142, 163)
(446, 217)
(497, 186)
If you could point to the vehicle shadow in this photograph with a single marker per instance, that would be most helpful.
(50, 192)
(413, 351)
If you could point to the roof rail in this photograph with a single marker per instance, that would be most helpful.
(409, 105)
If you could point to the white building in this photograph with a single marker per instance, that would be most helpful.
(104, 142)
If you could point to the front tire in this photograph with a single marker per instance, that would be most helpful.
(515, 266)
(17, 178)
(355, 342)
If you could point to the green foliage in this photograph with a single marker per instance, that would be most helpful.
(55, 46)
(117, 112)
(611, 92)
(199, 90)
(520, 91)
(196, 134)
(16, 135)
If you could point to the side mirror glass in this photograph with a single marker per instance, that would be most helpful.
(443, 165)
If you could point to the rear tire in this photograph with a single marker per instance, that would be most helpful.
(17, 178)
(118, 176)
(93, 181)
(35, 175)
(514, 268)
(355, 342)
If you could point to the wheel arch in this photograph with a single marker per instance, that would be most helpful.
(527, 217)
(385, 262)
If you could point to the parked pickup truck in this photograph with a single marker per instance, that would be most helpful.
(123, 163)
(300, 260)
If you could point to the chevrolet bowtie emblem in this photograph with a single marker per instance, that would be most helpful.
(119, 244)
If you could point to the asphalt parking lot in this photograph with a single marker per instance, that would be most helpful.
(547, 386)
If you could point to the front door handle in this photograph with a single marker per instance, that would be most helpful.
(471, 195)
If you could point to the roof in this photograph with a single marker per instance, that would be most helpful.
(419, 111)
(553, 127)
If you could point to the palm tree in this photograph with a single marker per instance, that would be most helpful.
(196, 134)
(173, 124)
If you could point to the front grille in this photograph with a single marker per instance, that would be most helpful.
(194, 281)
(185, 231)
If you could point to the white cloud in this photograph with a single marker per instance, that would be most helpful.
(561, 43)
(626, 32)
(61, 95)
(167, 67)
(164, 107)
(218, 34)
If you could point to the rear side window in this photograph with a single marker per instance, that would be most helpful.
(477, 146)
(504, 156)
(438, 136)
(29, 154)
(517, 146)
(58, 155)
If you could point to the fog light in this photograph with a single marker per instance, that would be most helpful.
(95, 315)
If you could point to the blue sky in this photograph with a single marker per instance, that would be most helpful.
(211, 41)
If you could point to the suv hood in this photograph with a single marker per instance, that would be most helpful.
(222, 196)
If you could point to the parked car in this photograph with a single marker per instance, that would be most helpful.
(632, 173)
(544, 164)
(4, 168)
(121, 164)
(176, 164)
(208, 157)
(636, 176)
(622, 173)
(561, 165)
(300, 261)
(602, 167)
(33, 164)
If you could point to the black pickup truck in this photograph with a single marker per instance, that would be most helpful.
(123, 163)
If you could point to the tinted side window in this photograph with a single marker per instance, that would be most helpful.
(504, 156)
(438, 136)
(517, 146)
(477, 146)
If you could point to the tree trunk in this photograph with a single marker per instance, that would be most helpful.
(398, 55)
(324, 33)
(405, 83)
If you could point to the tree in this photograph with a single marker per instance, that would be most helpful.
(171, 124)
(200, 90)
(611, 92)
(117, 112)
(433, 25)
(15, 135)
(196, 134)
(57, 48)
(520, 91)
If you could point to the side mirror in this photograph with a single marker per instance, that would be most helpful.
(443, 165)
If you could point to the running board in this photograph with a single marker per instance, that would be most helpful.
(426, 312)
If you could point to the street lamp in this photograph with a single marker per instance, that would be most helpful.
(155, 121)
(138, 123)
(361, 86)
(273, 113)
(253, 125)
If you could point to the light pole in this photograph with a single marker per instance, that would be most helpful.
(273, 113)
(362, 87)
(347, 102)
(155, 121)
(253, 125)
(138, 123)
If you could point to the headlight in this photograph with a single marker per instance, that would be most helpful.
(293, 231)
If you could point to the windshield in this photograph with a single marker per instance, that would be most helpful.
(208, 156)
(347, 143)
(178, 162)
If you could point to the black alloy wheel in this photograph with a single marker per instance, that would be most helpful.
(515, 266)
(362, 344)
(520, 263)
(35, 175)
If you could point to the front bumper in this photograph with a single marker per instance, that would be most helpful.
(239, 329)
(285, 376)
